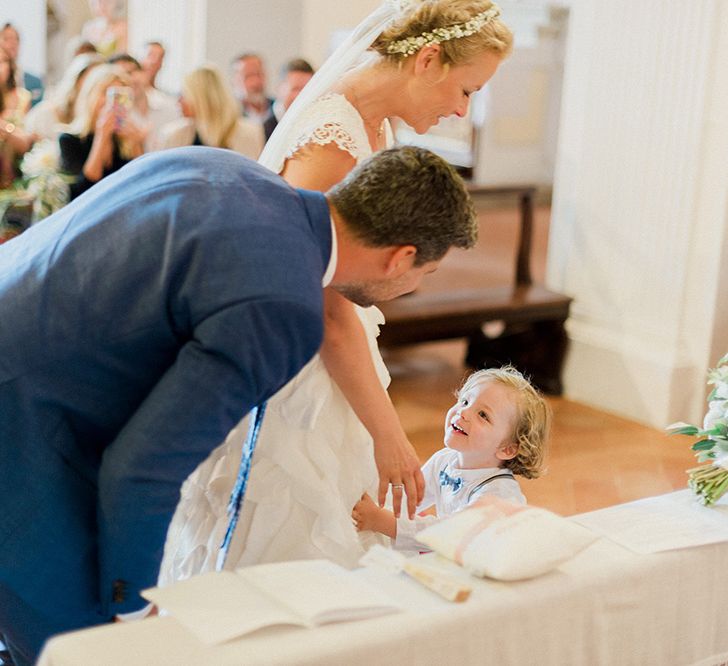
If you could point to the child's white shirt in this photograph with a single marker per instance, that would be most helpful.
(447, 499)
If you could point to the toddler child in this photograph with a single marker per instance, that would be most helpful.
(497, 428)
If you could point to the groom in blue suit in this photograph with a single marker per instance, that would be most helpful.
(142, 321)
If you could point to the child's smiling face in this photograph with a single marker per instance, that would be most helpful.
(480, 425)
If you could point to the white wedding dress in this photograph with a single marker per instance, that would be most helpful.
(313, 458)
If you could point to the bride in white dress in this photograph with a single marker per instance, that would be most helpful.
(323, 432)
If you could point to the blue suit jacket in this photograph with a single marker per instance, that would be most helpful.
(137, 326)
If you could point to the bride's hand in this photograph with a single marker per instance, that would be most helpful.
(399, 468)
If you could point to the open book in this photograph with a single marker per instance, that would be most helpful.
(220, 606)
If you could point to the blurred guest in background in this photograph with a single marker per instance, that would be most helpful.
(152, 62)
(16, 99)
(103, 137)
(10, 41)
(14, 143)
(14, 103)
(211, 117)
(107, 31)
(48, 118)
(249, 86)
(163, 108)
(295, 74)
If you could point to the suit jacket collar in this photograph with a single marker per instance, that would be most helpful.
(319, 216)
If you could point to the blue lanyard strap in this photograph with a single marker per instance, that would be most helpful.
(241, 483)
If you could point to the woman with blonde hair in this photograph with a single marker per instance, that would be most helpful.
(48, 117)
(102, 137)
(211, 117)
(324, 432)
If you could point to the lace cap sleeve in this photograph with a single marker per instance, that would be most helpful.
(330, 119)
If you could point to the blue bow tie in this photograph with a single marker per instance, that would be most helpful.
(447, 480)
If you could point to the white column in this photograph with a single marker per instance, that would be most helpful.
(179, 25)
(198, 31)
(640, 216)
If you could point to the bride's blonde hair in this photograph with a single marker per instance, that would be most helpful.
(420, 17)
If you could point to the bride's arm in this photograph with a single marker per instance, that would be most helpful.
(346, 354)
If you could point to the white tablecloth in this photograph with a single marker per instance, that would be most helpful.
(608, 605)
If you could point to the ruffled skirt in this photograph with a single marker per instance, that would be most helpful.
(313, 461)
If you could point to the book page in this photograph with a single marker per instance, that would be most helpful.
(318, 591)
(216, 607)
(656, 524)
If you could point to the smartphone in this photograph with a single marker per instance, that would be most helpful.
(119, 99)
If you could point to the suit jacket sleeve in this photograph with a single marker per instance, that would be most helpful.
(239, 356)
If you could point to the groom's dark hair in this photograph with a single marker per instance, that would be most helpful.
(407, 196)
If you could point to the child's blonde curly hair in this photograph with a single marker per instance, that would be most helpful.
(533, 418)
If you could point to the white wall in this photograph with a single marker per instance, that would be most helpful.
(640, 215)
(321, 19)
(198, 31)
(179, 25)
(271, 28)
(29, 17)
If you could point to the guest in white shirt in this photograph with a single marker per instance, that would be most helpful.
(162, 107)
(211, 117)
(497, 428)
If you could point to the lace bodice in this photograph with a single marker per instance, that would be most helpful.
(330, 119)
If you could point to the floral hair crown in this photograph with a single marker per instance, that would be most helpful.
(411, 45)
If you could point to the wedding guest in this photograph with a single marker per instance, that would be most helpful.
(10, 41)
(497, 428)
(152, 62)
(332, 433)
(48, 118)
(16, 99)
(249, 81)
(103, 137)
(14, 143)
(146, 318)
(14, 103)
(163, 108)
(210, 117)
(107, 30)
(295, 75)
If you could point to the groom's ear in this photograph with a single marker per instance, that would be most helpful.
(399, 260)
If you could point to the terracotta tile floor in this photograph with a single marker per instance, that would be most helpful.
(596, 459)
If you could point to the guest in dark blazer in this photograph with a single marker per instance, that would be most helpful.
(295, 75)
(249, 84)
(142, 321)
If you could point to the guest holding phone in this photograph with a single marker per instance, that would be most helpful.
(103, 137)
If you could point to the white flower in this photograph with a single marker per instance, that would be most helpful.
(411, 45)
(717, 409)
(42, 159)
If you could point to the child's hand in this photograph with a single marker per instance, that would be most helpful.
(368, 516)
(364, 512)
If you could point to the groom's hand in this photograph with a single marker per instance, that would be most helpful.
(399, 467)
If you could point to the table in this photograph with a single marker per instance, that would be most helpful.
(606, 606)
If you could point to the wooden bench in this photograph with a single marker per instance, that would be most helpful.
(532, 335)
